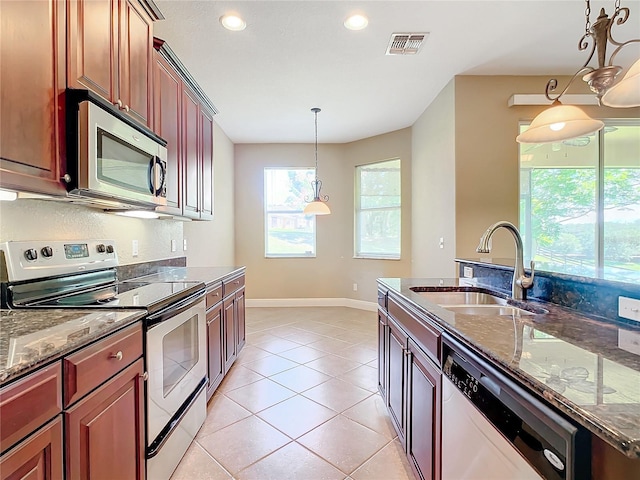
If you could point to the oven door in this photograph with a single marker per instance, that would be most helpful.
(176, 361)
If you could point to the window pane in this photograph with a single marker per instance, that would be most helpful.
(288, 232)
(622, 203)
(378, 210)
(558, 187)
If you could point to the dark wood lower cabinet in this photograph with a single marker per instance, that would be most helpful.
(423, 415)
(104, 432)
(241, 331)
(215, 335)
(229, 319)
(38, 457)
(397, 378)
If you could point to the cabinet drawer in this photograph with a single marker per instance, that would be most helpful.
(418, 328)
(228, 287)
(213, 296)
(93, 365)
(28, 403)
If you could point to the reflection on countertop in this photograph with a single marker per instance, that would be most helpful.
(206, 275)
(31, 338)
(587, 368)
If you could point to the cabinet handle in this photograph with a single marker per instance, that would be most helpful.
(145, 376)
(119, 104)
(118, 356)
(126, 108)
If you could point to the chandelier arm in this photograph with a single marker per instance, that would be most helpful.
(552, 84)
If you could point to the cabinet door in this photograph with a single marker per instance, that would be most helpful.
(167, 93)
(423, 415)
(397, 378)
(190, 154)
(382, 352)
(104, 432)
(32, 82)
(135, 61)
(241, 336)
(39, 457)
(206, 152)
(215, 341)
(229, 319)
(93, 46)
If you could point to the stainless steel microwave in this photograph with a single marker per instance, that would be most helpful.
(112, 161)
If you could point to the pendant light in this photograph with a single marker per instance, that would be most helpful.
(564, 122)
(318, 205)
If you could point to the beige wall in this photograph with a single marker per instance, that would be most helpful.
(433, 188)
(211, 243)
(334, 270)
(486, 153)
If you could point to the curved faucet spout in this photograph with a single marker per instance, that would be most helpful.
(520, 281)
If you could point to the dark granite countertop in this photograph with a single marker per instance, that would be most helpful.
(207, 275)
(31, 338)
(587, 368)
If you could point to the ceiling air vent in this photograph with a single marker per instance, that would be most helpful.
(405, 43)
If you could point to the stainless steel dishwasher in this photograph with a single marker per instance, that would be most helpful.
(494, 429)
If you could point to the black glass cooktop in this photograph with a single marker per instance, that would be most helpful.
(151, 296)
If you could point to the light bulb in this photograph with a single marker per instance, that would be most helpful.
(556, 127)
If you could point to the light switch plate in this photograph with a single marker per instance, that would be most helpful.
(629, 308)
(134, 248)
(467, 272)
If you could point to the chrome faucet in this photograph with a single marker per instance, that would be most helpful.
(520, 280)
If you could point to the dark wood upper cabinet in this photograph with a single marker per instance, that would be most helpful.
(190, 142)
(167, 124)
(32, 83)
(110, 47)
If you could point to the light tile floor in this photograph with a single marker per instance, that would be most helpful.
(300, 403)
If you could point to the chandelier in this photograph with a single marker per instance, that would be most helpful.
(318, 205)
(562, 122)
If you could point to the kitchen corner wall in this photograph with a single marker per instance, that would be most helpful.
(334, 270)
(466, 166)
(211, 243)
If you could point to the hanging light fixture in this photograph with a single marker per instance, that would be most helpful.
(318, 205)
(562, 122)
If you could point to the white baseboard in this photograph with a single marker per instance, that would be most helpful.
(311, 302)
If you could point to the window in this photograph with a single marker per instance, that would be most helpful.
(580, 204)
(378, 212)
(288, 232)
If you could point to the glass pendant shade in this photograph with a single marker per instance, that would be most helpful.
(317, 207)
(625, 93)
(560, 122)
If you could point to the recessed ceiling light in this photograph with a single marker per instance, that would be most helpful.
(233, 22)
(356, 22)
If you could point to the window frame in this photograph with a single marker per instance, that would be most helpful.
(267, 213)
(358, 254)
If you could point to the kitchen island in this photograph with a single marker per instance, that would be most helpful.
(583, 367)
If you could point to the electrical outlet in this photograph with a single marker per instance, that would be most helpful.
(441, 243)
(629, 308)
(134, 248)
(174, 246)
(355, 287)
(184, 244)
(629, 341)
(467, 272)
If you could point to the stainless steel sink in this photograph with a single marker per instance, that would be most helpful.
(489, 310)
(463, 298)
(476, 301)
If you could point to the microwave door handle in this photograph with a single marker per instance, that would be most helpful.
(157, 179)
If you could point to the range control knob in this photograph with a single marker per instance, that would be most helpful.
(31, 254)
(110, 249)
(47, 252)
(101, 248)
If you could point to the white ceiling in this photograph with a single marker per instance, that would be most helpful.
(295, 55)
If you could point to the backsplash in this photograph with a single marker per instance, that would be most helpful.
(591, 296)
(135, 270)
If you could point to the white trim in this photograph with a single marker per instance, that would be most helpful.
(311, 302)
(540, 99)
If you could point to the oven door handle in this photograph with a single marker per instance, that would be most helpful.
(175, 309)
